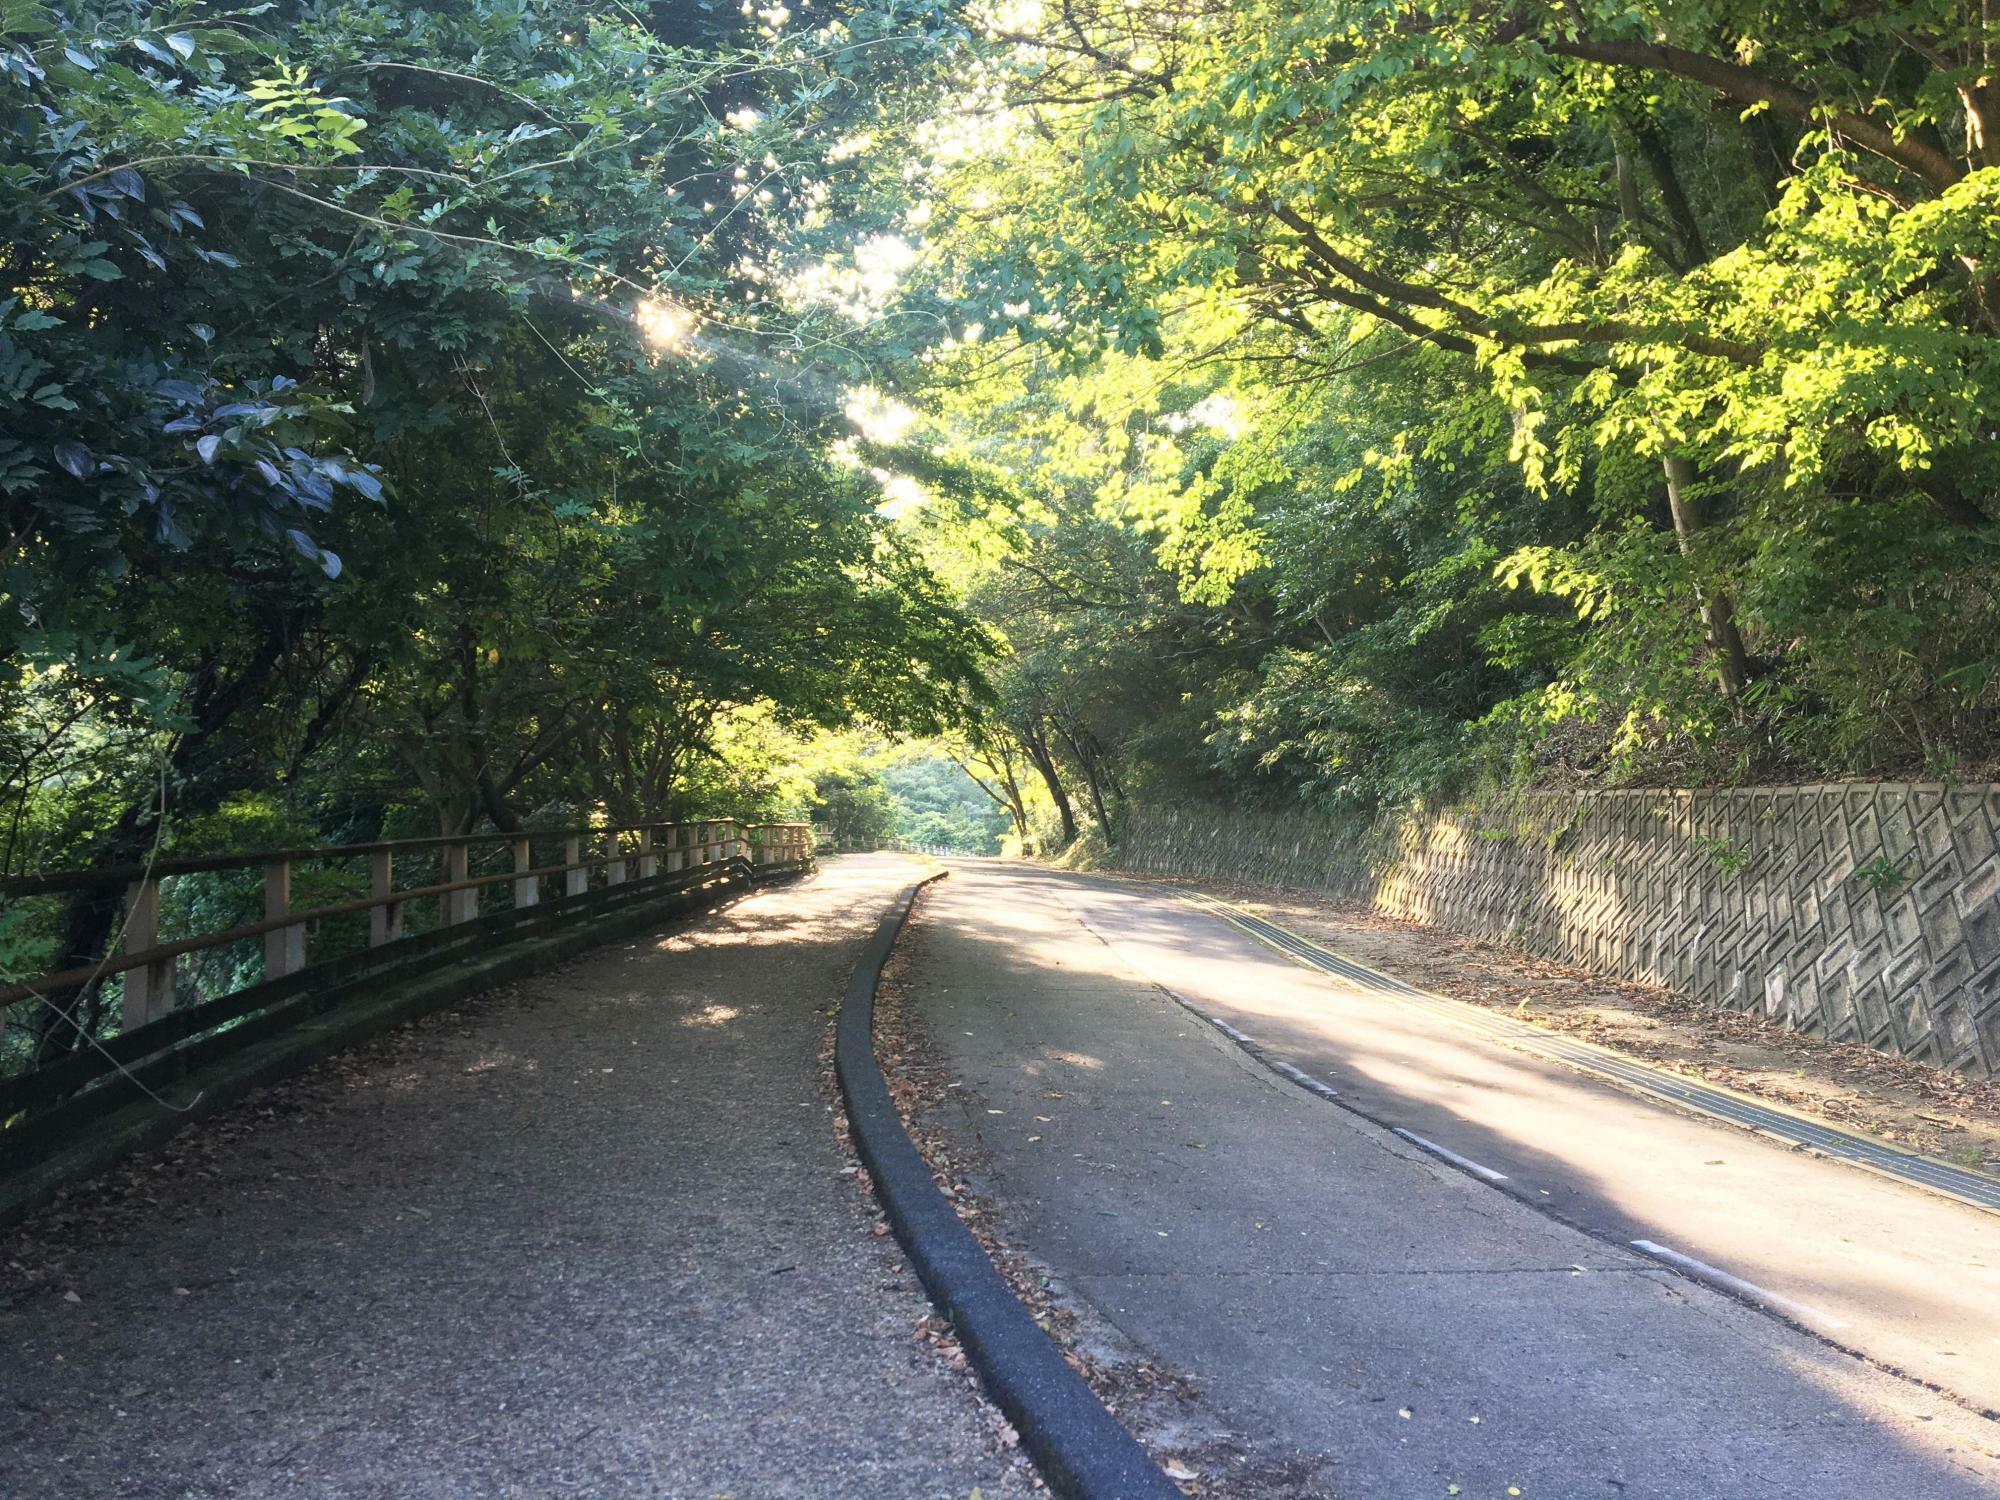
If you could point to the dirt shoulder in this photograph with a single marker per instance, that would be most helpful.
(1919, 1108)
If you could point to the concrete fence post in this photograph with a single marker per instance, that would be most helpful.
(385, 923)
(459, 906)
(614, 867)
(649, 862)
(575, 882)
(527, 888)
(284, 947)
(149, 989)
(676, 836)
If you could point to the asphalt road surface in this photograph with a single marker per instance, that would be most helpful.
(1416, 1320)
(587, 1238)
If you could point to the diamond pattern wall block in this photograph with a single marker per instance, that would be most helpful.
(1857, 912)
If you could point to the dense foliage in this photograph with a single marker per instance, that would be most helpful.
(1368, 400)
(423, 419)
(414, 420)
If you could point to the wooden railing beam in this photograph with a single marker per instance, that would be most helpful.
(149, 963)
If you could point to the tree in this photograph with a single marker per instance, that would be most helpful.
(1638, 309)
(408, 407)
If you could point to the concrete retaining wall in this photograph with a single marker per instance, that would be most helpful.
(1863, 913)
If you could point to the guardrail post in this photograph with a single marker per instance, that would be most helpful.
(676, 836)
(575, 882)
(385, 922)
(614, 866)
(149, 989)
(649, 864)
(459, 906)
(284, 947)
(527, 890)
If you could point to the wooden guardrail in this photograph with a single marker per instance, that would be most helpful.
(332, 971)
(608, 856)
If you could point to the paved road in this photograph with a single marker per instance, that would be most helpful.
(1341, 1291)
(588, 1239)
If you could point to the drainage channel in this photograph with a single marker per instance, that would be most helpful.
(1973, 1188)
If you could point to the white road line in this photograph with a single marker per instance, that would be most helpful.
(1451, 1156)
(1297, 1075)
(1304, 1079)
(1703, 1271)
(1227, 1030)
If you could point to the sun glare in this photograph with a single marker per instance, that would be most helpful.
(878, 417)
(667, 327)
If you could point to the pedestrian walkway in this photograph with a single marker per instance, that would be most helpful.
(590, 1237)
(1338, 1288)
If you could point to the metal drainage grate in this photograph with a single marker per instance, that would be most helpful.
(1974, 1188)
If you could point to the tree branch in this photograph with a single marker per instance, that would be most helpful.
(1937, 169)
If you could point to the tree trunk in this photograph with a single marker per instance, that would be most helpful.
(1017, 805)
(495, 802)
(1085, 755)
(1732, 662)
(1036, 744)
(1660, 162)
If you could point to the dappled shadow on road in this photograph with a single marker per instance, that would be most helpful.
(586, 1235)
(1404, 1066)
(1056, 998)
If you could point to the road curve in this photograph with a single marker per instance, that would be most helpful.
(1442, 1288)
(589, 1237)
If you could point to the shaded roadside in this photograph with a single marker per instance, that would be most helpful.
(587, 1236)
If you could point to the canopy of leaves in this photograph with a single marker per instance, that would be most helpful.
(1376, 399)
(414, 419)
(436, 417)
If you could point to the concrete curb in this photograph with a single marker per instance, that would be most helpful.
(1080, 1448)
